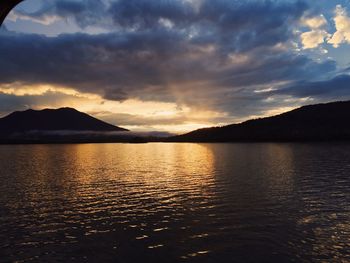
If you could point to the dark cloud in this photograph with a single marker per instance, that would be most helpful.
(207, 54)
(242, 26)
(110, 64)
(233, 25)
(145, 65)
(337, 87)
(143, 14)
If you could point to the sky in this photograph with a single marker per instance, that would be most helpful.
(174, 65)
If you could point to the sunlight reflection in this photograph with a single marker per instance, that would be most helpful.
(180, 197)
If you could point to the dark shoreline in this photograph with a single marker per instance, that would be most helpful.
(144, 141)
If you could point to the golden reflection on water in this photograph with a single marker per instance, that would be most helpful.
(192, 198)
(152, 165)
(94, 176)
(158, 166)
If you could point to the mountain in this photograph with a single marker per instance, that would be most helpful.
(64, 125)
(320, 122)
(64, 119)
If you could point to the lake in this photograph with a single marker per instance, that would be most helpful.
(175, 203)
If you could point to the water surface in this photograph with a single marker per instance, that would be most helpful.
(175, 203)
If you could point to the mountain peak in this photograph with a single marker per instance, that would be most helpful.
(50, 109)
(62, 119)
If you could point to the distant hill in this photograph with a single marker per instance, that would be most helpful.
(64, 125)
(320, 122)
(63, 119)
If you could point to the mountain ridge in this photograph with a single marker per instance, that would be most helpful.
(318, 122)
(63, 119)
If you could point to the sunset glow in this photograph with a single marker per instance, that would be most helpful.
(177, 65)
(174, 131)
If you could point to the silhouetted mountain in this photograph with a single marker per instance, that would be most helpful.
(64, 119)
(57, 126)
(320, 122)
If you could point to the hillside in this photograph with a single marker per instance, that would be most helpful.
(64, 125)
(320, 122)
(63, 119)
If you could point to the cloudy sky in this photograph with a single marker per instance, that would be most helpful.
(174, 65)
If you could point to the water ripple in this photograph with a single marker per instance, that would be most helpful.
(175, 202)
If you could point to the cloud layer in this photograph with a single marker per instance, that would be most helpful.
(217, 56)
